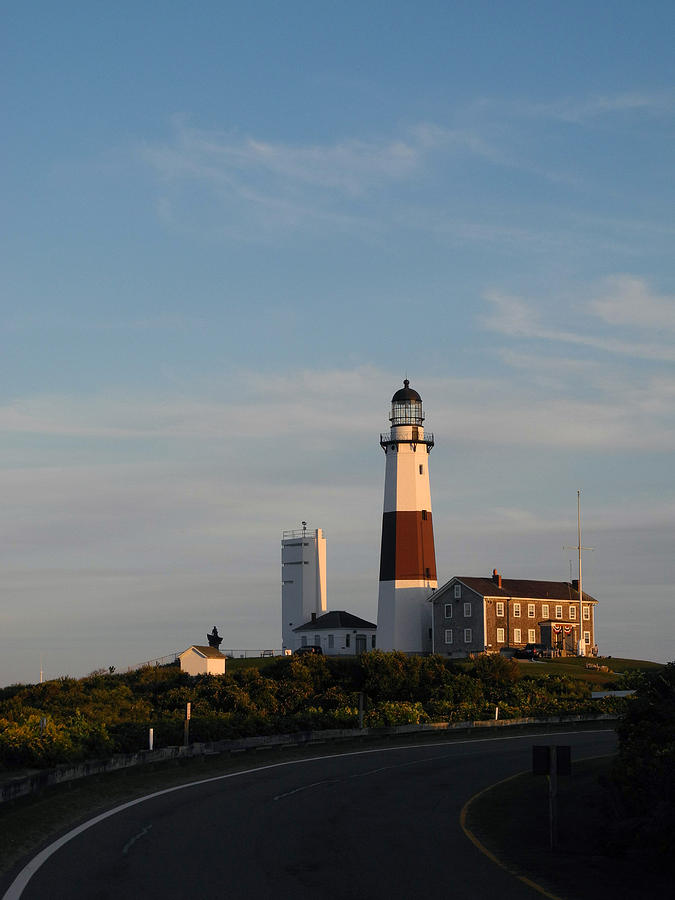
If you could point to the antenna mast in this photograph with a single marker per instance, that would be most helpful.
(581, 646)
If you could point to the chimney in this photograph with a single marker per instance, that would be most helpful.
(575, 584)
(313, 617)
(497, 578)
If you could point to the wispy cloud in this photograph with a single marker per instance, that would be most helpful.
(255, 414)
(592, 106)
(623, 301)
(352, 165)
(627, 301)
(278, 184)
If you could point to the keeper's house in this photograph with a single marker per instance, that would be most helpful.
(476, 615)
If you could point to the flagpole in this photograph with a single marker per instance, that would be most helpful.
(581, 647)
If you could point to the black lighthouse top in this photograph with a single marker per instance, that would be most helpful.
(406, 406)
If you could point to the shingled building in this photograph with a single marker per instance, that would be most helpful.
(475, 615)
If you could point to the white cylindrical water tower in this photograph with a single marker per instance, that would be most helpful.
(407, 557)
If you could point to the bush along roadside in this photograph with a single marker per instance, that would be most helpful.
(641, 787)
(68, 720)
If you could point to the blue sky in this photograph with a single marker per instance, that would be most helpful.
(231, 229)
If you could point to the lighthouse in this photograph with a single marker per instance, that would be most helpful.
(407, 556)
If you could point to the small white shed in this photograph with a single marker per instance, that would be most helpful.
(198, 660)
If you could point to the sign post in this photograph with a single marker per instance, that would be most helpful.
(186, 733)
(552, 761)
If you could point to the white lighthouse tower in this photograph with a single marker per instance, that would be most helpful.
(407, 558)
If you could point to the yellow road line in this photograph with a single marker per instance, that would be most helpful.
(484, 850)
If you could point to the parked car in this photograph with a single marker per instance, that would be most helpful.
(530, 651)
(309, 650)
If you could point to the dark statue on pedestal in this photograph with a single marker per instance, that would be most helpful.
(214, 638)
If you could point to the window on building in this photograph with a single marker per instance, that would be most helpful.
(448, 635)
(424, 515)
(500, 608)
(372, 641)
(558, 612)
(331, 641)
(427, 572)
(303, 640)
(421, 470)
(467, 610)
(587, 637)
(530, 611)
(347, 637)
(458, 591)
(467, 635)
(587, 613)
(573, 612)
(544, 610)
(516, 636)
(531, 635)
(317, 640)
(516, 610)
(448, 610)
(500, 635)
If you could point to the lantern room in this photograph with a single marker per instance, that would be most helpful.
(406, 406)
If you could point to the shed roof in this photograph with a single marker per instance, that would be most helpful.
(210, 652)
(335, 619)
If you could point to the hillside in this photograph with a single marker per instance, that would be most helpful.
(70, 719)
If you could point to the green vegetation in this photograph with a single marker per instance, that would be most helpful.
(70, 719)
(643, 777)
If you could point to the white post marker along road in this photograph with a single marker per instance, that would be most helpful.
(19, 884)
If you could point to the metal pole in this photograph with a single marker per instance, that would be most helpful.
(581, 650)
(151, 739)
(186, 733)
(553, 799)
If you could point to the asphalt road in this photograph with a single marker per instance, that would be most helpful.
(377, 823)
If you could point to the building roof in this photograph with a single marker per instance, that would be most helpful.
(210, 652)
(521, 588)
(338, 618)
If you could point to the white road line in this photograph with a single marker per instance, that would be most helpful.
(17, 887)
(307, 787)
(130, 843)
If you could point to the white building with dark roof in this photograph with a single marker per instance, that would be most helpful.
(338, 633)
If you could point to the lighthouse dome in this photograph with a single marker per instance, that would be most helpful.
(406, 393)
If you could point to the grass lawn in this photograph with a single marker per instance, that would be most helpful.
(575, 667)
(251, 662)
(511, 821)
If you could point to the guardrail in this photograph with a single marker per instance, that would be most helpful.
(30, 784)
